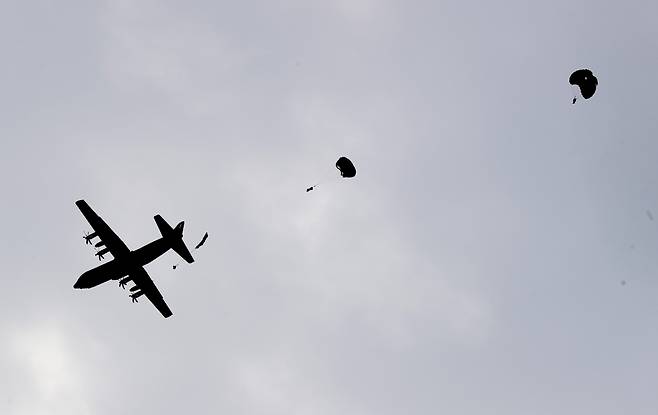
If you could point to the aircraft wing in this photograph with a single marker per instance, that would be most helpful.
(108, 238)
(142, 280)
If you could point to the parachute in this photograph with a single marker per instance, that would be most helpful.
(586, 81)
(346, 168)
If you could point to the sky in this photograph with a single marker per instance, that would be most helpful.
(493, 255)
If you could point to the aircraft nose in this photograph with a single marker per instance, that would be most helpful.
(78, 284)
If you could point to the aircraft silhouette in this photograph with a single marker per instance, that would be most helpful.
(128, 265)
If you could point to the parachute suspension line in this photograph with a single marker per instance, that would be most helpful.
(321, 181)
(344, 166)
(574, 91)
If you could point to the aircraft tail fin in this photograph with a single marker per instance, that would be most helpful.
(175, 237)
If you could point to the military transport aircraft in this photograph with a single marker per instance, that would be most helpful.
(128, 265)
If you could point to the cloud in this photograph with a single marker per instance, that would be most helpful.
(478, 246)
(148, 45)
(46, 371)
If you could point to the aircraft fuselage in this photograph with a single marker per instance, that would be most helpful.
(124, 265)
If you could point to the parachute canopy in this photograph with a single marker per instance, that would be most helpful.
(586, 81)
(346, 167)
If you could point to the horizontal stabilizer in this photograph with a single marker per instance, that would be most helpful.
(174, 237)
(163, 226)
(179, 247)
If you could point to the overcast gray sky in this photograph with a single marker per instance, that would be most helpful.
(473, 266)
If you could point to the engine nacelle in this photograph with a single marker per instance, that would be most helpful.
(89, 237)
(136, 295)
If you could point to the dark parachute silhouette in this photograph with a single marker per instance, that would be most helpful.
(346, 168)
(586, 81)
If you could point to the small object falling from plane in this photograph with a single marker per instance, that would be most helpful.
(649, 214)
(203, 241)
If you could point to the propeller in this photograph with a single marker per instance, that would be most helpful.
(135, 295)
(123, 282)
